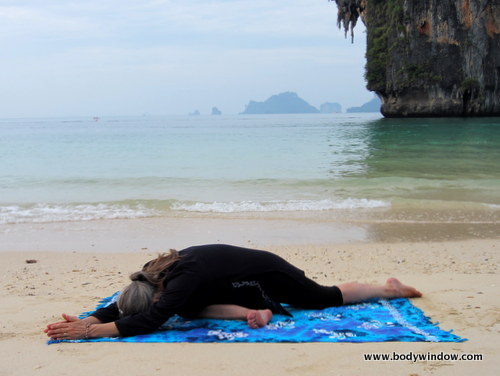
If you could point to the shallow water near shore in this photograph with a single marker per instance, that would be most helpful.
(352, 166)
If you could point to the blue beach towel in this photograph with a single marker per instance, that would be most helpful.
(374, 321)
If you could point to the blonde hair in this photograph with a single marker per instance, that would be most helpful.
(138, 295)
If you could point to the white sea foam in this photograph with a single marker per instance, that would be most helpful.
(270, 206)
(59, 213)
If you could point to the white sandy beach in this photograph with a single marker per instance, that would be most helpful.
(79, 263)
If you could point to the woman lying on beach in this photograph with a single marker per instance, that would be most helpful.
(216, 281)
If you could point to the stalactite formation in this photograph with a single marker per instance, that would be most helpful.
(348, 13)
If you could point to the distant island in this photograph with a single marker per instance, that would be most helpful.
(330, 108)
(284, 103)
(371, 106)
(216, 111)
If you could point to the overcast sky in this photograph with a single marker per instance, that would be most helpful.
(135, 57)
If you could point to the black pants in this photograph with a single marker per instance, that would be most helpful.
(270, 289)
(301, 292)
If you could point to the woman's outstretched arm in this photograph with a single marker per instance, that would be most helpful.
(75, 328)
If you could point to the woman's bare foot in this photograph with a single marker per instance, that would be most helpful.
(399, 290)
(259, 318)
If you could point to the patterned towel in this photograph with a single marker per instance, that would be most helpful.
(374, 321)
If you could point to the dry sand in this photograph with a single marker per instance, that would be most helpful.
(77, 264)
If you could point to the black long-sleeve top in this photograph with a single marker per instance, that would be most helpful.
(204, 275)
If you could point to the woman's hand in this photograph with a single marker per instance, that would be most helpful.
(74, 328)
(71, 328)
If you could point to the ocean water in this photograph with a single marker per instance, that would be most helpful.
(68, 169)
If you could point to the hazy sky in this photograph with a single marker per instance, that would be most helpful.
(134, 57)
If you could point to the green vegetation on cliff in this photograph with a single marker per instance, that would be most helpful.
(383, 16)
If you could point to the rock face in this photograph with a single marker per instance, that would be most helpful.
(430, 57)
(284, 103)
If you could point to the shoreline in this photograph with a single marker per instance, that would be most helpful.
(252, 230)
(79, 263)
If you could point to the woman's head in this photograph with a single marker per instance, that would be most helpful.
(136, 297)
(140, 294)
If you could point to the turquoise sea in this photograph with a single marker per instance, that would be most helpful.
(68, 169)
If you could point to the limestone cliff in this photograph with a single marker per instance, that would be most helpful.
(430, 57)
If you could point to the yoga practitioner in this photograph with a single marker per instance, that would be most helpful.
(216, 281)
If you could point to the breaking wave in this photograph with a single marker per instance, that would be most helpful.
(40, 213)
(270, 206)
